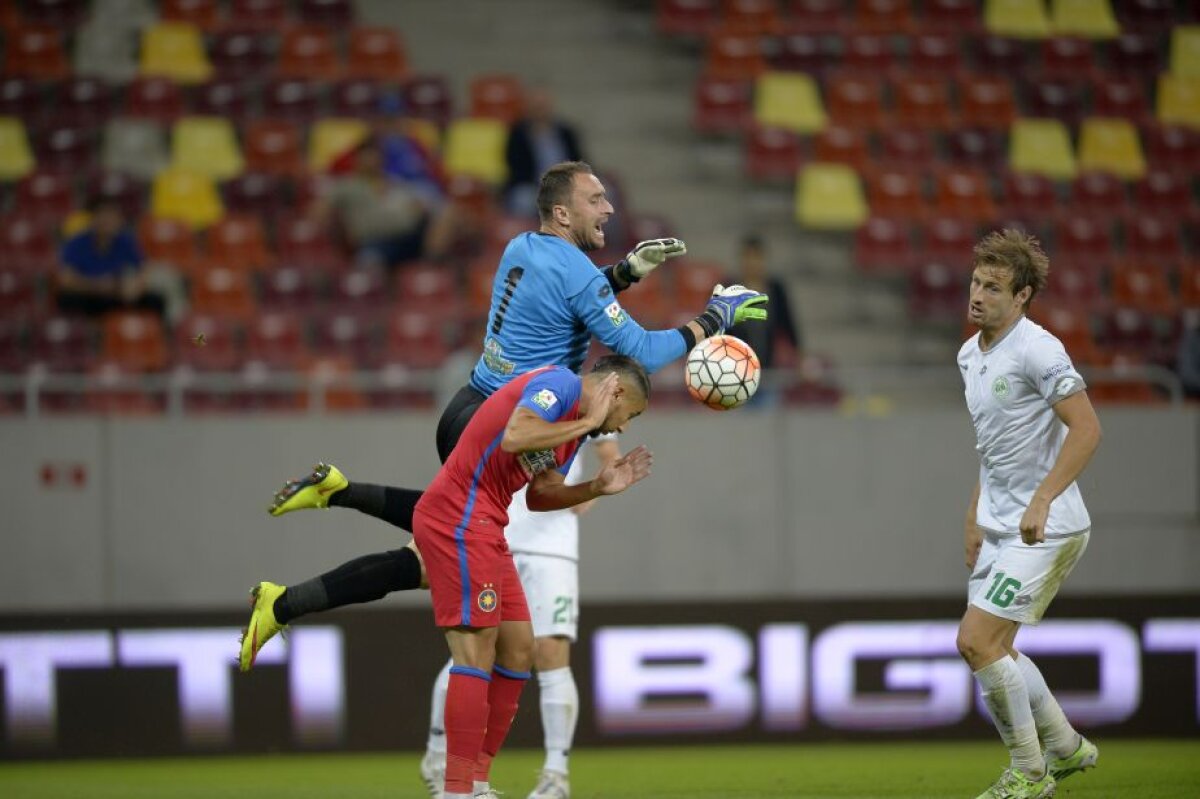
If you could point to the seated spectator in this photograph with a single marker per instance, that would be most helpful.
(385, 220)
(101, 267)
(780, 331)
(536, 142)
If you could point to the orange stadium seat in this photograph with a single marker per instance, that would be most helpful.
(376, 53)
(692, 18)
(867, 54)
(818, 16)
(168, 241)
(1100, 194)
(1143, 284)
(497, 96)
(964, 192)
(896, 192)
(1072, 328)
(855, 101)
(694, 284)
(272, 146)
(1189, 285)
(225, 292)
(883, 16)
(935, 54)
(987, 102)
(735, 56)
(35, 51)
(308, 51)
(884, 246)
(135, 340)
(722, 105)
(258, 15)
(907, 148)
(923, 102)
(772, 154)
(428, 97)
(757, 17)
(204, 14)
(842, 145)
(238, 242)
(220, 351)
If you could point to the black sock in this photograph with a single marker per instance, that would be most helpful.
(392, 505)
(363, 579)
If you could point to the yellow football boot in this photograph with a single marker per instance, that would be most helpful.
(263, 625)
(311, 491)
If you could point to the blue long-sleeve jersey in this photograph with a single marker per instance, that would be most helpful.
(548, 300)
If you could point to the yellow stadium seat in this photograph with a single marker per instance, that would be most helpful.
(187, 196)
(1020, 19)
(475, 147)
(1089, 19)
(16, 159)
(330, 138)
(208, 146)
(175, 50)
(1111, 145)
(789, 100)
(1042, 147)
(1185, 51)
(1179, 100)
(830, 197)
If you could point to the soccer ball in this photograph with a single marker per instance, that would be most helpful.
(722, 372)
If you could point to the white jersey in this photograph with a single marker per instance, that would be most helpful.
(554, 532)
(1011, 390)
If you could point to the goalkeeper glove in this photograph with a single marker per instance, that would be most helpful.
(646, 257)
(731, 305)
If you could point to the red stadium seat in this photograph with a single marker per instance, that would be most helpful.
(1057, 99)
(867, 54)
(896, 192)
(22, 97)
(26, 244)
(937, 292)
(1072, 328)
(293, 99)
(68, 149)
(428, 97)
(258, 15)
(159, 99)
(842, 145)
(360, 290)
(65, 343)
(694, 283)
(977, 147)
(923, 102)
(818, 16)
(237, 241)
(721, 106)
(376, 54)
(802, 52)
(1166, 194)
(907, 148)
(18, 294)
(62, 14)
(954, 17)
(1151, 236)
(1172, 148)
(1000, 55)
(425, 285)
(987, 102)
(82, 101)
(304, 242)
(204, 14)
(1122, 97)
(291, 289)
(113, 389)
(331, 13)
(208, 343)
(497, 96)
(416, 339)
(691, 18)
(224, 97)
(935, 54)
(884, 246)
(949, 240)
(46, 197)
(855, 101)
(1143, 284)
(308, 52)
(735, 56)
(127, 192)
(1084, 240)
(350, 335)
(221, 291)
(758, 17)
(964, 192)
(277, 340)
(1100, 194)
(357, 97)
(273, 147)
(883, 16)
(15, 357)
(1150, 16)
(266, 196)
(1074, 288)
(1189, 285)
(241, 54)
(1134, 54)
(1067, 58)
(135, 340)
(35, 51)
(1029, 196)
(772, 154)
(168, 241)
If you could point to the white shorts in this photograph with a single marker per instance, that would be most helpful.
(552, 590)
(1017, 582)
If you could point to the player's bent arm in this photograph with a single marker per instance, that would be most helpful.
(607, 452)
(1083, 438)
(526, 431)
(549, 491)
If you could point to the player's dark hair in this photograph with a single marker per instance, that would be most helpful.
(624, 365)
(1020, 254)
(556, 185)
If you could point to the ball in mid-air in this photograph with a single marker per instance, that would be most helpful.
(722, 372)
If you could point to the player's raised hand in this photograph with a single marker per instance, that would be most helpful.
(736, 303)
(632, 467)
(601, 400)
(648, 255)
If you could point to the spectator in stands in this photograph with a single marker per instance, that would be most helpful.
(385, 220)
(779, 338)
(101, 267)
(536, 142)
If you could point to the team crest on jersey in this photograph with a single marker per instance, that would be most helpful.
(537, 461)
(616, 314)
(1000, 388)
(545, 399)
(488, 599)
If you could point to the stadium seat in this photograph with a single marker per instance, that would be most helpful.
(721, 106)
(1021, 19)
(64, 343)
(359, 98)
(428, 97)
(62, 14)
(15, 357)
(204, 14)
(1172, 147)
(1143, 284)
(1042, 147)
(293, 99)
(1000, 56)
(238, 242)
(82, 101)
(1029, 197)
(1099, 194)
(22, 98)
(16, 157)
(937, 54)
(134, 147)
(855, 101)
(1189, 285)
(221, 350)
(976, 147)
(954, 17)
(790, 101)
(475, 148)
(987, 102)
(964, 192)
(46, 197)
(1185, 51)
(1092, 19)
(349, 335)
(265, 196)
(1179, 100)
(18, 297)
(26, 244)
(258, 15)
(125, 190)
(241, 54)
(818, 16)
(758, 17)
(884, 246)
(168, 241)
(277, 340)
(801, 52)
(1134, 54)
(104, 50)
(360, 290)
(896, 192)
(694, 283)
(337, 14)
(1121, 97)
(841, 145)
(187, 196)
(207, 146)
(304, 242)
(416, 338)
(497, 96)
(1111, 145)
(426, 286)
(1084, 240)
(222, 291)
(273, 147)
(1072, 328)
(135, 340)
(224, 97)
(735, 56)
(157, 99)
(1064, 100)
(1075, 288)
(686, 18)
(830, 197)
(1150, 235)
(883, 16)
(1132, 332)
(937, 292)
(867, 54)
(949, 240)
(291, 289)
(175, 50)
(772, 154)
(35, 51)
(922, 102)
(376, 54)
(907, 148)
(332, 137)
(66, 148)
(1067, 58)
(1166, 194)
(308, 52)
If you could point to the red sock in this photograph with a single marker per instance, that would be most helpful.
(466, 720)
(503, 696)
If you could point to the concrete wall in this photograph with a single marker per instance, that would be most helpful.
(128, 514)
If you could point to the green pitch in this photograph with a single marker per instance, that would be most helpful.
(1141, 769)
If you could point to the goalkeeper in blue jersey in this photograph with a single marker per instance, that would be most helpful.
(548, 302)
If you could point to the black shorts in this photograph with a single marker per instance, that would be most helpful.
(458, 412)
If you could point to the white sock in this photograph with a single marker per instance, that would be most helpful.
(1007, 698)
(437, 713)
(481, 787)
(458, 796)
(1056, 732)
(560, 711)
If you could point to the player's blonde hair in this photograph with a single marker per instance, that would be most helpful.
(1020, 254)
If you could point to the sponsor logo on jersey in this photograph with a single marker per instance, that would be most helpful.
(1056, 369)
(1065, 386)
(488, 599)
(537, 461)
(1000, 388)
(616, 314)
(494, 360)
(545, 399)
